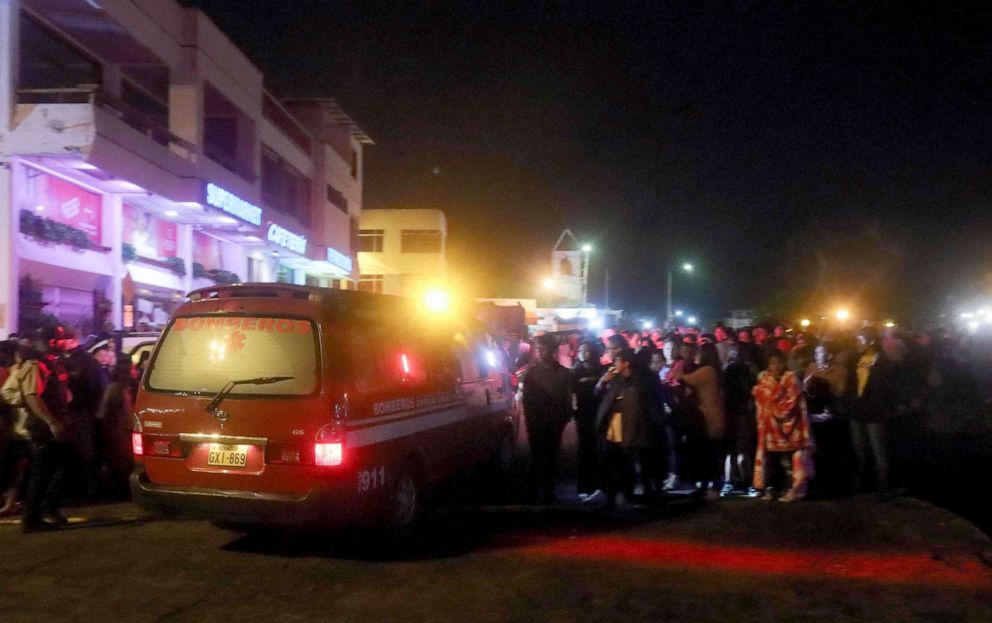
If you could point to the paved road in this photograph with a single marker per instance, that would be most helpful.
(855, 559)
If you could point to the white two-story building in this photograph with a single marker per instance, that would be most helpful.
(142, 157)
(402, 251)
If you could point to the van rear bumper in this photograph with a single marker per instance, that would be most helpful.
(326, 507)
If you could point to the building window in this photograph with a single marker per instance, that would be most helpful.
(370, 240)
(284, 189)
(228, 134)
(284, 274)
(370, 283)
(354, 164)
(146, 110)
(50, 62)
(566, 267)
(335, 284)
(277, 116)
(420, 241)
(335, 198)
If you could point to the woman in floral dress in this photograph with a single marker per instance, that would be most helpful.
(783, 429)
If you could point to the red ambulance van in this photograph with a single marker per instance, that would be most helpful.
(289, 405)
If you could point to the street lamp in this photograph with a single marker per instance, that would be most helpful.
(687, 268)
(586, 252)
(549, 284)
(843, 314)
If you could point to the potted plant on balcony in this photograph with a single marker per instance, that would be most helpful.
(48, 231)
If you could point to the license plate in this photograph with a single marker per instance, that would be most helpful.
(224, 455)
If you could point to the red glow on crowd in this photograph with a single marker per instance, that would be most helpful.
(894, 568)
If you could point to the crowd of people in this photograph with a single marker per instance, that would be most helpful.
(65, 424)
(764, 412)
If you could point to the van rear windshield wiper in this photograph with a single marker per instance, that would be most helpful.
(222, 394)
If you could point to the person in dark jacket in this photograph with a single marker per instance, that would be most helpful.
(585, 374)
(874, 400)
(547, 401)
(825, 384)
(622, 423)
(741, 439)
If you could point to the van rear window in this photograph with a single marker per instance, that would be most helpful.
(203, 353)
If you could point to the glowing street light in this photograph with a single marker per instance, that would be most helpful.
(843, 314)
(549, 284)
(678, 312)
(804, 323)
(691, 320)
(687, 267)
(647, 324)
(587, 248)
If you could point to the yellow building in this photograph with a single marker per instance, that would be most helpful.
(401, 251)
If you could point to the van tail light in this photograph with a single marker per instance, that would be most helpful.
(160, 445)
(136, 446)
(328, 451)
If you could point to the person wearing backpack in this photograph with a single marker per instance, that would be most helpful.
(40, 399)
(13, 452)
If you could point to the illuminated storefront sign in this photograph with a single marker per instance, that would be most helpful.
(338, 259)
(150, 236)
(233, 204)
(287, 239)
(61, 201)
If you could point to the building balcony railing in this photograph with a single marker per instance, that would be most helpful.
(228, 162)
(90, 94)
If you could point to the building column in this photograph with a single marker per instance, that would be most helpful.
(185, 250)
(114, 209)
(186, 114)
(9, 269)
(9, 62)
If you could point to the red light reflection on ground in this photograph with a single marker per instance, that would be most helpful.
(916, 568)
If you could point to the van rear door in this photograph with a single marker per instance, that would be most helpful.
(236, 395)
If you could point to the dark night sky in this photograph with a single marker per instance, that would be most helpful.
(800, 153)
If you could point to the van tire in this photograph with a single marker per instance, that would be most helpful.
(406, 503)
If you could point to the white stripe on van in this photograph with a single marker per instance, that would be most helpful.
(385, 432)
(382, 419)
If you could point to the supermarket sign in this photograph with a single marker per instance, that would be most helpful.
(233, 204)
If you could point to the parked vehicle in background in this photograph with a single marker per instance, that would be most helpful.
(131, 344)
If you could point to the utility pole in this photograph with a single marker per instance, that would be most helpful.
(686, 268)
(586, 253)
(668, 299)
(606, 303)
